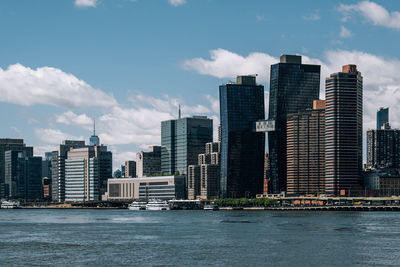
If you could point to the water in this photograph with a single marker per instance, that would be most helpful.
(198, 238)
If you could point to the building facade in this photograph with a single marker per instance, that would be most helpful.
(343, 131)
(130, 168)
(5, 145)
(242, 149)
(148, 163)
(383, 148)
(382, 117)
(23, 175)
(82, 176)
(306, 151)
(293, 88)
(182, 140)
(147, 188)
(204, 178)
(58, 168)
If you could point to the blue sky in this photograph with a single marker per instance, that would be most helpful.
(129, 64)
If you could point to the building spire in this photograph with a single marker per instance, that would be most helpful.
(94, 127)
(180, 111)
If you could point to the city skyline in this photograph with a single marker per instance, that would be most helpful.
(54, 87)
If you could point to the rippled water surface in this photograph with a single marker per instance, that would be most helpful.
(198, 238)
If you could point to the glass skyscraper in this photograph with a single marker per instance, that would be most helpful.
(182, 140)
(293, 87)
(382, 117)
(242, 149)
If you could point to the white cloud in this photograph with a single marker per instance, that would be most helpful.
(54, 136)
(86, 3)
(373, 12)
(214, 103)
(70, 118)
(312, 16)
(25, 86)
(177, 2)
(226, 64)
(344, 32)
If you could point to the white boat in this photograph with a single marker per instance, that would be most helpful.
(157, 205)
(137, 205)
(211, 207)
(10, 205)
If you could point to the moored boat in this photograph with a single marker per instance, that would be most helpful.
(10, 205)
(135, 205)
(157, 205)
(211, 207)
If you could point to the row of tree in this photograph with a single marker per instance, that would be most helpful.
(245, 202)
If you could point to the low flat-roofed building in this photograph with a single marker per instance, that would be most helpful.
(146, 188)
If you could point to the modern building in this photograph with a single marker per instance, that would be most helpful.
(293, 87)
(343, 131)
(306, 151)
(204, 178)
(266, 175)
(5, 145)
(147, 188)
(23, 175)
(94, 140)
(148, 163)
(46, 165)
(383, 148)
(58, 168)
(242, 149)
(382, 117)
(182, 140)
(130, 168)
(82, 175)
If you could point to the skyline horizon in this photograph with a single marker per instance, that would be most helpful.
(135, 62)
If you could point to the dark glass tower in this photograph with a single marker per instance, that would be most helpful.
(182, 140)
(293, 88)
(242, 149)
(382, 117)
(343, 131)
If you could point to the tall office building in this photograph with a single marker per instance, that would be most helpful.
(181, 142)
(293, 87)
(383, 148)
(306, 151)
(23, 175)
(82, 177)
(382, 117)
(5, 145)
(130, 168)
(343, 131)
(148, 163)
(58, 168)
(242, 149)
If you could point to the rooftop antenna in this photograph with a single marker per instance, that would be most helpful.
(94, 127)
(180, 111)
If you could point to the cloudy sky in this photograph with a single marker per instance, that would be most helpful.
(130, 63)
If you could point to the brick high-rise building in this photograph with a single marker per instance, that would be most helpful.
(306, 151)
(343, 131)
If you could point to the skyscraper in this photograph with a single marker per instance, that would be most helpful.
(242, 149)
(382, 117)
(293, 87)
(58, 168)
(130, 168)
(343, 131)
(94, 140)
(148, 163)
(23, 175)
(182, 140)
(306, 151)
(5, 145)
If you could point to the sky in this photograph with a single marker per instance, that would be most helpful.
(129, 64)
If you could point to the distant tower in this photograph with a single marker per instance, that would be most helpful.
(180, 113)
(94, 139)
(382, 117)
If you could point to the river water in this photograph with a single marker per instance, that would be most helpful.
(198, 238)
